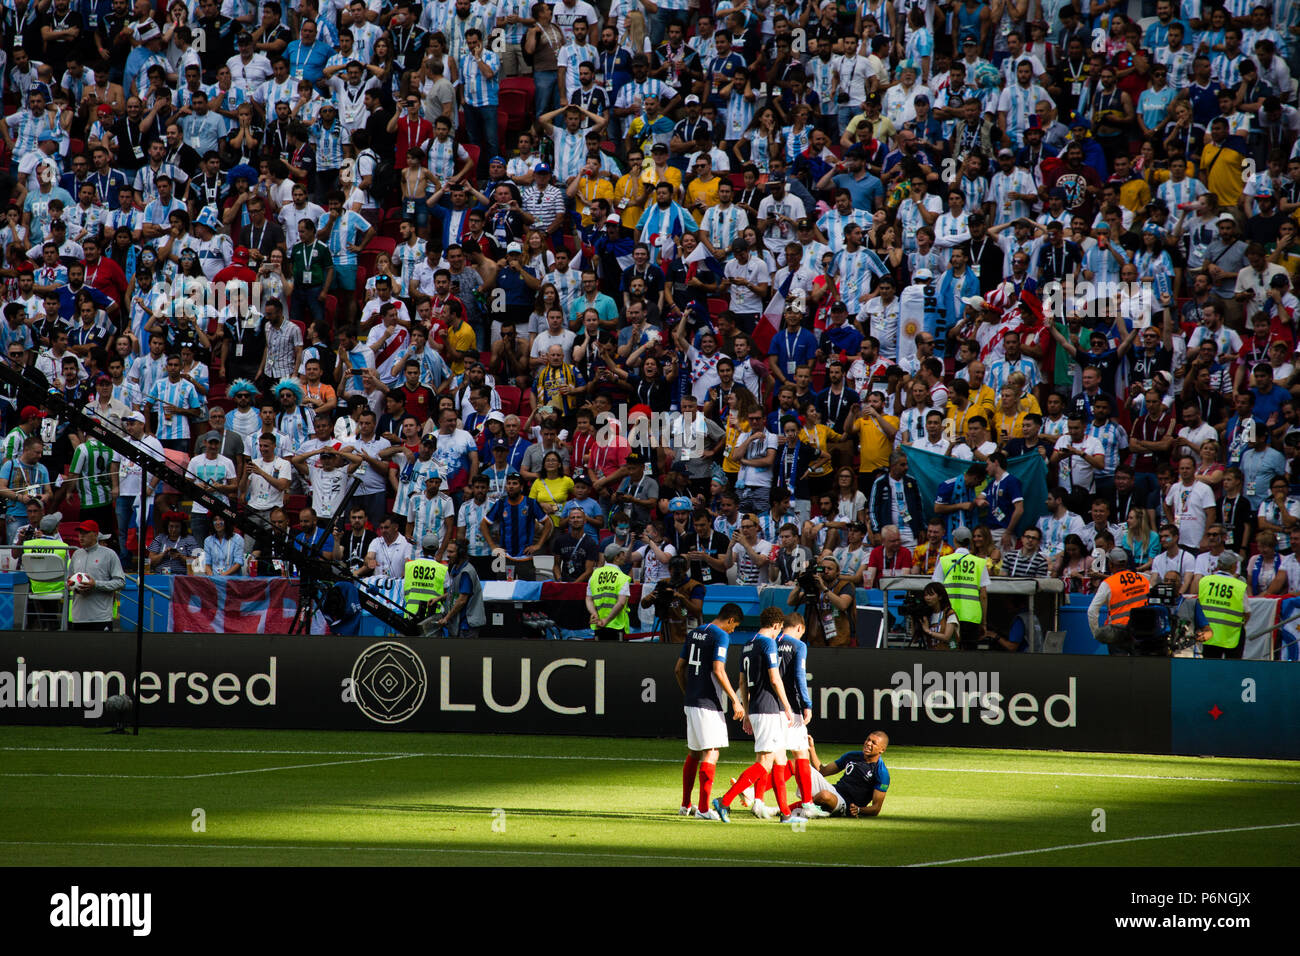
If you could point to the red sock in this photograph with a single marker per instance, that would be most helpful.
(780, 773)
(688, 778)
(706, 785)
(760, 786)
(751, 776)
(803, 773)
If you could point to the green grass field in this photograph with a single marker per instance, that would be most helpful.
(73, 797)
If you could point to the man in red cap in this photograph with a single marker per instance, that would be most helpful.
(93, 596)
(238, 268)
(29, 424)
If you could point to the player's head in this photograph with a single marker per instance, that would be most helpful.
(875, 743)
(772, 619)
(729, 617)
(794, 625)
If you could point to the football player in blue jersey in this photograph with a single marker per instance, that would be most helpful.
(701, 673)
(861, 791)
(767, 716)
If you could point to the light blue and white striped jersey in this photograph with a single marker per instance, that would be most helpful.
(1001, 186)
(26, 129)
(723, 225)
(758, 149)
(296, 426)
(364, 36)
(740, 113)
(146, 371)
(1018, 103)
(910, 218)
(329, 142)
(514, 32)
(936, 260)
(272, 91)
(1152, 105)
(999, 370)
(234, 96)
(1176, 193)
(950, 230)
(568, 284)
(1102, 264)
(343, 235)
(1178, 63)
(832, 224)
(129, 394)
(656, 222)
(443, 156)
(1113, 440)
(920, 43)
(181, 394)
(854, 270)
(140, 82)
(571, 56)
(410, 483)
(821, 78)
(469, 517)
(975, 190)
(429, 515)
(407, 258)
(1224, 69)
(796, 141)
(481, 16)
(570, 152)
(22, 335)
(1286, 16)
(479, 90)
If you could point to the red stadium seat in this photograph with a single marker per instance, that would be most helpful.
(71, 508)
(474, 150)
(516, 105)
(216, 390)
(293, 504)
(509, 399)
(68, 532)
(331, 311)
(391, 229)
(522, 84)
(718, 306)
(380, 244)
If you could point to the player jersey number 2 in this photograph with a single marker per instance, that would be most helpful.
(749, 680)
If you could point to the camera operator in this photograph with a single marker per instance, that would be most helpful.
(706, 549)
(831, 604)
(939, 623)
(678, 602)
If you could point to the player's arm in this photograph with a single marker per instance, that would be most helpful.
(720, 674)
(877, 801)
(779, 686)
(825, 769)
(679, 669)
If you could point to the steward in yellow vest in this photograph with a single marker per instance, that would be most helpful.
(424, 581)
(966, 578)
(1221, 613)
(608, 592)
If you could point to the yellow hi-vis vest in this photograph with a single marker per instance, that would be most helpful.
(606, 583)
(424, 582)
(962, 574)
(1222, 600)
(57, 545)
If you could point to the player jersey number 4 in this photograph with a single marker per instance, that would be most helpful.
(704, 645)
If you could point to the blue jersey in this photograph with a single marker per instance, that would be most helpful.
(794, 674)
(703, 646)
(759, 656)
(861, 779)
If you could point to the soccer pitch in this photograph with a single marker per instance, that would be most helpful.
(69, 796)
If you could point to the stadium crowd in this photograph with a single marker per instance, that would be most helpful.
(684, 278)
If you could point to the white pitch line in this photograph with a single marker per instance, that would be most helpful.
(669, 760)
(301, 766)
(1084, 846)
(420, 849)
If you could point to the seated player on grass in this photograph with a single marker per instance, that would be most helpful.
(861, 791)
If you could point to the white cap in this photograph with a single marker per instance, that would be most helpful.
(692, 99)
(974, 301)
(921, 275)
(514, 247)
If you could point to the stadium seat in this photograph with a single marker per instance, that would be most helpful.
(331, 311)
(391, 229)
(521, 84)
(509, 399)
(71, 508)
(474, 150)
(718, 306)
(225, 403)
(380, 244)
(68, 532)
(294, 504)
(216, 390)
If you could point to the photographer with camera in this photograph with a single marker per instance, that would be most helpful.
(934, 617)
(829, 604)
(678, 602)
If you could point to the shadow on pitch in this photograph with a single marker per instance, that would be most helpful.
(479, 811)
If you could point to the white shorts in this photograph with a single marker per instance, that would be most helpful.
(705, 729)
(769, 732)
(820, 783)
(796, 735)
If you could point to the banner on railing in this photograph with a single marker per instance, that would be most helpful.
(232, 605)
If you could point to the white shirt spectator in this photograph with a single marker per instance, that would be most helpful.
(390, 559)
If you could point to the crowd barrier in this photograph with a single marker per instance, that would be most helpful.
(266, 605)
(1053, 702)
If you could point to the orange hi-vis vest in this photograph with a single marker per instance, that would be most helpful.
(1128, 590)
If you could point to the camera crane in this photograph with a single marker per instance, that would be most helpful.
(319, 574)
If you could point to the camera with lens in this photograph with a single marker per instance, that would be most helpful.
(809, 583)
(914, 606)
